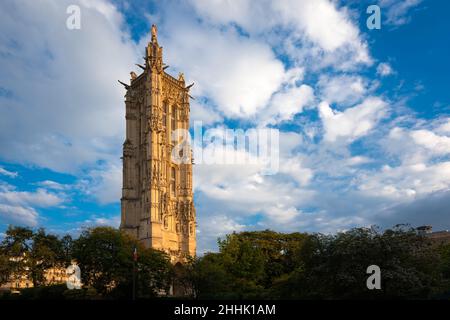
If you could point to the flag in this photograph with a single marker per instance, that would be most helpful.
(135, 254)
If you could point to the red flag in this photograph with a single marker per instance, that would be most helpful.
(135, 254)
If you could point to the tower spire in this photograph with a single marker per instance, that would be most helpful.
(154, 51)
(154, 33)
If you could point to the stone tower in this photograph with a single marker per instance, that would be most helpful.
(157, 198)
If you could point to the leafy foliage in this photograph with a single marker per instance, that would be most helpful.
(301, 266)
(262, 264)
(105, 256)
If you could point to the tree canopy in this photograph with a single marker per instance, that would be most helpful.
(272, 265)
(248, 265)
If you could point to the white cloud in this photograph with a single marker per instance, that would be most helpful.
(237, 73)
(444, 127)
(397, 11)
(103, 184)
(10, 214)
(212, 227)
(202, 112)
(343, 89)
(414, 146)
(352, 123)
(49, 184)
(321, 21)
(419, 167)
(9, 174)
(232, 51)
(293, 167)
(439, 145)
(246, 193)
(282, 215)
(246, 73)
(40, 198)
(103, 221)
(407, 181)
(286, 104)
(66, 109)
(19, 207)
(384, 69)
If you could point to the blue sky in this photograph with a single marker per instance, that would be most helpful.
(364, 115)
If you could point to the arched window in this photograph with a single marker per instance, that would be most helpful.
(172, 180)
(173, 118)
(164, 113)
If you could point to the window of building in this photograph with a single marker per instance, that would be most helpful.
(165, 111)
(172, 180)
(173, 118)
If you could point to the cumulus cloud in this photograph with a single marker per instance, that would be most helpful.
(204, 113)
(19, 207)
(103, 185)
(65, 110)
(18, 215)
(416, 145)
(40, 198)
(102, 221)
(213, 227)
(444, 127)
(320, 21)
(253, 62)
(237, 73)
(247, 193)
(342, 89)
(286, 104)
(352, 123)
(439, 145)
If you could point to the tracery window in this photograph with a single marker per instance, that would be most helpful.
(164, 113)
(173, 118)
(172, 180)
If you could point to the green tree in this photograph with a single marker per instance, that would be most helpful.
(247, 264)
(209, 278)
(334, 267)
(15, 248)
(105, 256)
(444, 251)
(67, 245)
(5, 269)
(46, 251)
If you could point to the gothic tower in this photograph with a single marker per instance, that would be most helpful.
(157, 199)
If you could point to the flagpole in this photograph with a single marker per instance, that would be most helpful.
(134, 273)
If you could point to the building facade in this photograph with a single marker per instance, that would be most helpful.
(17, 281)
(440, 237)
(157, 198)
